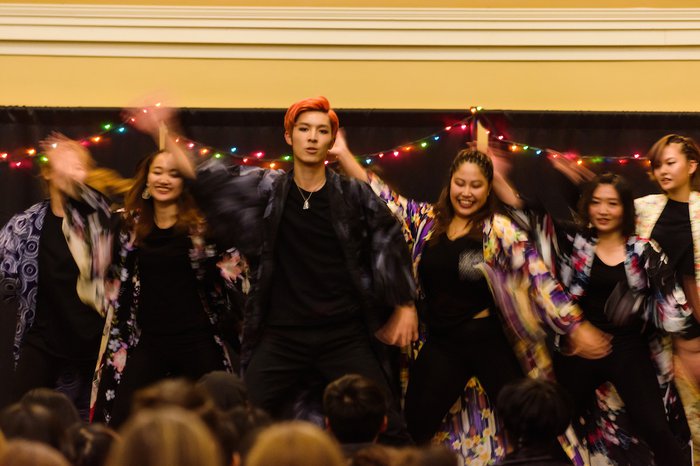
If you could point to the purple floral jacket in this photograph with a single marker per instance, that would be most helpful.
(528, 296)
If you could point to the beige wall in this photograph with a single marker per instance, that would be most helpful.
(632, 86)
(402, 3)
(235, 83)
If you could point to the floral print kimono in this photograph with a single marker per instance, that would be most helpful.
(649, 209)
(526, 294)
(661, 303)
(19, 263)
(220, 277)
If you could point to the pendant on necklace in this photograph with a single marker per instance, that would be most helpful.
(306, 205)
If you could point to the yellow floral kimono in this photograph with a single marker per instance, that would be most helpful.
(527, 296)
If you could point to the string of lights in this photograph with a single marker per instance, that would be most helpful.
(24, 157)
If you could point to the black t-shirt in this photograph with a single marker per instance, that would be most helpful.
(311, 283)
(63, 325)
(672, 232)
(604, 278)
(170, 303)
(455, 290)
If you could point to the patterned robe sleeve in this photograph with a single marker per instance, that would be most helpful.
(89, 227)
(412, 214)
(518, 255)
(669, 310)
(391, 261)
(233, 200)
(9, 260)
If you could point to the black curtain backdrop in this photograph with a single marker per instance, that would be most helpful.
(419, 175)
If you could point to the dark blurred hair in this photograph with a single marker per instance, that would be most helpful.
(355, 407)
(91, 444)
(623, 189)
(438, 455)
(425, 456)
(375, 455)
(227, 390)
(248, 422)
(444, 209)
(57, 403)
(381, 455)
(534, 412)
(33, 422)
(139, 211)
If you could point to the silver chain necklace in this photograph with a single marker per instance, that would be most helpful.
(306, 199)
(306, 204)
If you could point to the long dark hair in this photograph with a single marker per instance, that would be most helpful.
(139, 211)
(624, 190)
(444, 209)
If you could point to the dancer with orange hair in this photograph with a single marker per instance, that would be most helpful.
(332, 266)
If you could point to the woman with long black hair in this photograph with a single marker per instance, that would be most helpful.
(468, 260)
(171, 294)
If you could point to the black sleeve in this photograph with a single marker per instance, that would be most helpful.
(544, 189)
(391, 261)
(233, 201)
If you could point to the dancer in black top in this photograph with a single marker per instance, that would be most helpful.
(626, 288)
(57, 336)
(332, 269)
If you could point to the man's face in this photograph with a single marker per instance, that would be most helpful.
(311, 137)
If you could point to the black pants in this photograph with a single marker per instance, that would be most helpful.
(38, 368)
(286, 356)
(630, 369)
(158, 357)
(445, 364)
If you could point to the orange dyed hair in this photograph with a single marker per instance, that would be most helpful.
(314, 104)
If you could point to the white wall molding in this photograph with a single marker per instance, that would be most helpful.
(350, 33)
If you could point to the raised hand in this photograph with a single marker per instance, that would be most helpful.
(159, 121)
(501, 184)
(346, 158)
(149, 118)
(340, 147)
(573, 171)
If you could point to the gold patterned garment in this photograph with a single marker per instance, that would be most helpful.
(527, 296)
